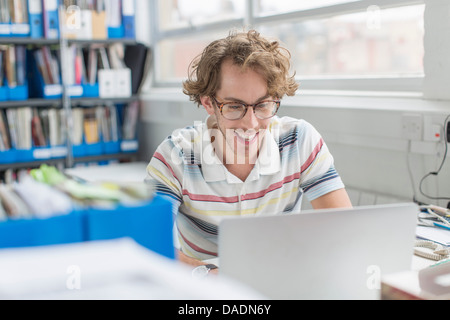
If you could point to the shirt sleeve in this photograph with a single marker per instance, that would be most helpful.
(318, 175)
(164, 172)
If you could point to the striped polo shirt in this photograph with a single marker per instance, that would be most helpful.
(293, 160)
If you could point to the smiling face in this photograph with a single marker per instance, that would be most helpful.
(242, 137)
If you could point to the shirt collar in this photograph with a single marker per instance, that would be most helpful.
(268, 161)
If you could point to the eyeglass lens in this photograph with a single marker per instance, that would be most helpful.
(264, 110)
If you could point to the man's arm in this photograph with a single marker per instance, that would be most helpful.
(192, 261)
(334, 199)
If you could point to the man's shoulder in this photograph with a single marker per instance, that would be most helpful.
(184, 138)
(283, 126)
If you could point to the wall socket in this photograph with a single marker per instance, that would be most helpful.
(412, 127)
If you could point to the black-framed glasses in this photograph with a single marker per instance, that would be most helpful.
(236, 110)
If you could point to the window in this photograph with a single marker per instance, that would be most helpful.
(270, 7)
(335, 44)
(175, 14)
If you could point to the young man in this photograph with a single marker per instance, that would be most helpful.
(244, 160)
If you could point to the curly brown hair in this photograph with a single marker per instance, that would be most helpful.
(247, 50)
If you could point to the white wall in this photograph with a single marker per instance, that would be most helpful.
(363, 134)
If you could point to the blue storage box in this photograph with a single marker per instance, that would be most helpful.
(40, 232)
(24, 155)
(3, 93)
(116, 32)
(85, 149)
(149, 225)
(93, 149)
(5, 30)
(111, 147)
(36, 85)
(20, 29)
(18, 93)
(33, 154)
(90, 91)
(79, 150)
(9, 156)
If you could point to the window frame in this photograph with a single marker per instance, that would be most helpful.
(402, 85)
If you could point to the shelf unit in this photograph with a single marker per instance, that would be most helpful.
(66, 102)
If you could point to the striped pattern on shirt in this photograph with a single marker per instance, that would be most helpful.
(294, 160)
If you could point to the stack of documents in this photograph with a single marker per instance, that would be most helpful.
(434, 224)
(90, 194)
(29, 199)
(46, 192)
(113, 269)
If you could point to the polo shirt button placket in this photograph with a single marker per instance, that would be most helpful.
(241, 196)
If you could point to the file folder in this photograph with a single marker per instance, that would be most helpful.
(36, 18)
(114, 19)
(51, 20)
(5, 19)
(5, 30)
(128, 19)
(20, 26)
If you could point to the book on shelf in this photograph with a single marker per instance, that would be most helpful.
(107, 116)
(77, 132)
(99, 19)
(18, 11)
(47, 65)
(13, 65)
(2, 73)
(4, 17)
(26, 128)
(90, 126)
(130, 121)
(50, 18)
(75, 68)
(36, 19)
(138, 58)
(12, 124)
(37, 131)
(21, 65)
(19, 23)
(10, 65)
(92, 65)
(4, 135)
(24, 132)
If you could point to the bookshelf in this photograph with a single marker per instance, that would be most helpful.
(52, 126)
(68, 98)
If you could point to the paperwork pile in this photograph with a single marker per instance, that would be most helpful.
(434, 224)
(46, 192)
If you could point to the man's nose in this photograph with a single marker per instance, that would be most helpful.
(249, 121)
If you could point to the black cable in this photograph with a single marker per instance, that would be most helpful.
(435, 173)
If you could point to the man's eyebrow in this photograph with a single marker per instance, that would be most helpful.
(242, 101)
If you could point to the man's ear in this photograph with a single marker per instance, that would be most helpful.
(208, 104)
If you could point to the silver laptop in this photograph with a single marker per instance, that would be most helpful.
(321, 254)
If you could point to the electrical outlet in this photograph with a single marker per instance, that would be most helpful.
(412, 127)
(433, 129)
(433, 132)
